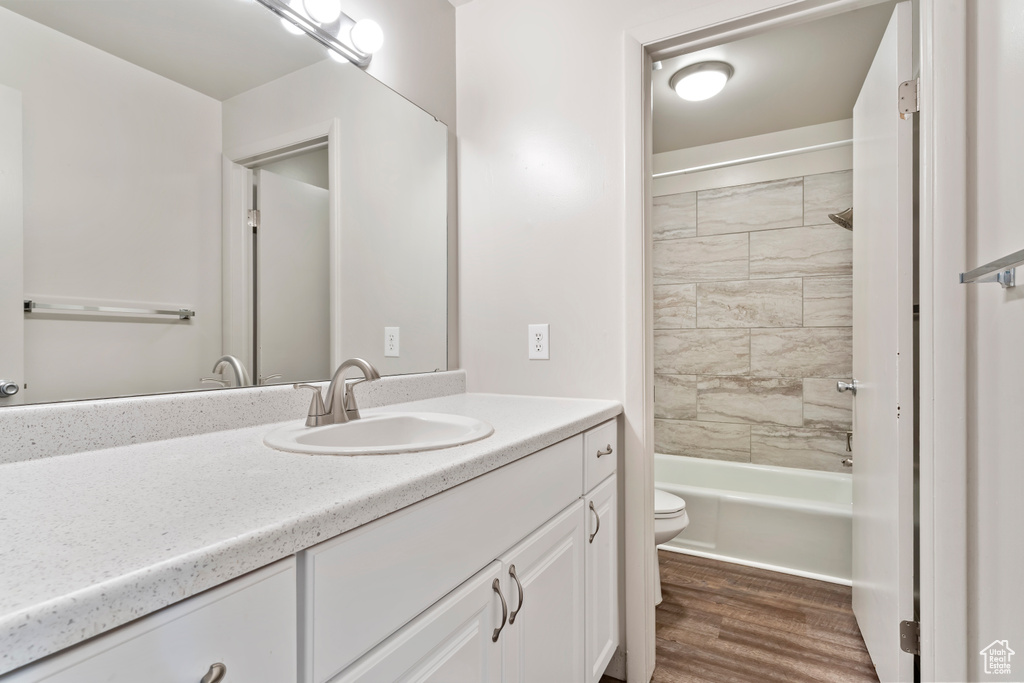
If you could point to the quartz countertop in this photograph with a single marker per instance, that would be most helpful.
(93, 540)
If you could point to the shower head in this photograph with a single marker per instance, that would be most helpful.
(843, 218)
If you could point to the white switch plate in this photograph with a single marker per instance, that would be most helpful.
(539, 342)
(391, 342)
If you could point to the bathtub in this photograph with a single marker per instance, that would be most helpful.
(779, 518)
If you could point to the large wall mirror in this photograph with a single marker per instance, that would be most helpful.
(184, 180)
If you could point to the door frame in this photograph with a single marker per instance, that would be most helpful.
(942, 348)
(237, 285)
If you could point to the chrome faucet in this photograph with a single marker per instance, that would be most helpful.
(241, 374)
(340, 405)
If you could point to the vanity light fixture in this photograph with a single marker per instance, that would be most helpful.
(324, 21)
(701, 81)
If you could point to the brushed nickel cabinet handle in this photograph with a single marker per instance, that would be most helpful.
(607, 451)
(216, 673)
(522, 594)
(598, 518)
(504, 610)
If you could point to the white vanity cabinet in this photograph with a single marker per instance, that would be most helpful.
(247, 625)
(545, 611)
(511, 577)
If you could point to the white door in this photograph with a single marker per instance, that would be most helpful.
(12, 284)
(883, 354)
(543, 575)
(602, 559)
(452, 642)
(292, 274)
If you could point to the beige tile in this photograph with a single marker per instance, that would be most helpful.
(675, 306)
(744, 399)
(826, 408)
(801, 252)
(702, 352)
(700, 258)
(801, 352)
(826, 193)
(828, 301)
(811, 449)
(750, 303)
(703, 440)
(675, 216)
(743, 208)
(675, 397)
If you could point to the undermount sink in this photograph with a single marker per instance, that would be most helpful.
(380, 434)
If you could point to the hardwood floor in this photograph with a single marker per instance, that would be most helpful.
(726, 623)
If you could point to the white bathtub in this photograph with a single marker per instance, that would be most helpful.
(779, 518)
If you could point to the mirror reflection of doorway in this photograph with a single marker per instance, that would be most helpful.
(291, 321)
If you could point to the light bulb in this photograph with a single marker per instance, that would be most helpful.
(323, 11)
(367, 36)
(701, 81)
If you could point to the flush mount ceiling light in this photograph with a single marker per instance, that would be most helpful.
(324, 21)
(700, 81)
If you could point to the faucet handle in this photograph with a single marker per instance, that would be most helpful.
(213, 380)
(317, 415)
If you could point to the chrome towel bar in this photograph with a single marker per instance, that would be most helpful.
(181, 313)
(1003, 271)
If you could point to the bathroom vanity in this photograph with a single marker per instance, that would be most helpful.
(496, 560)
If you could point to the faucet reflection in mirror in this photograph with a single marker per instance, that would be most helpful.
(338, 408)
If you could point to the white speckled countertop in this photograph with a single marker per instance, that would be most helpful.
(90, 541)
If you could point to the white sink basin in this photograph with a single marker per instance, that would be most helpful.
(379, 434)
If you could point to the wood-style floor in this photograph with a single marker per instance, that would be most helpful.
(726, 623)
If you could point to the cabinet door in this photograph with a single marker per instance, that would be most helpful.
(602, 613)
(543, 641)
(452, 642)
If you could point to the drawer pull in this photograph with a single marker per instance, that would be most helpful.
(598, 518)
(522, 595)
(216, 673)
(504, 610)
(607, 451)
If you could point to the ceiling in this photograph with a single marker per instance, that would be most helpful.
(784, 78)
(219, 47)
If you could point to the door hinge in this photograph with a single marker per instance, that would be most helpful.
(910, 637)
(910, 97)
(254, 219)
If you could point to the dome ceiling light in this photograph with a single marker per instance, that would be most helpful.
(700, 81)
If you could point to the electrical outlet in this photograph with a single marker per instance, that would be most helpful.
(539, 342)
(391, 342)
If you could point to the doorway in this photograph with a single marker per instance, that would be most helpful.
(714, 310)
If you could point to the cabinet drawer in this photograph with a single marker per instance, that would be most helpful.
(365, 584)
(247, 624)
(600, 453)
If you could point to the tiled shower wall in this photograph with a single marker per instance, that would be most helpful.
(753, 322)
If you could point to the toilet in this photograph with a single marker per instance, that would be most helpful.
(670, 519)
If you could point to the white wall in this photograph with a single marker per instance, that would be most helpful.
(122, 203)
(995, 333)
(393, 202)
(541, 109)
